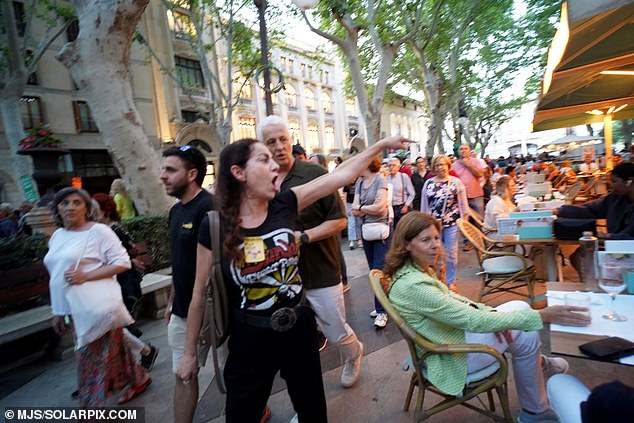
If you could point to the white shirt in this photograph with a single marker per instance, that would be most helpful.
(584, 168)
(96, 246)
(497, 208)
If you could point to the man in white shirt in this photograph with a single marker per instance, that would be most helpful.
(589, 166)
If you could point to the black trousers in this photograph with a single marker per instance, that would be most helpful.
(255, 357)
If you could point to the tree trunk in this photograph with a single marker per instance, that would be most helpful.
(434, 131)
(98, 62)
(12, 122)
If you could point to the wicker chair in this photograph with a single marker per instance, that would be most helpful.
(492, 378)
(571, 192)
(502, 271)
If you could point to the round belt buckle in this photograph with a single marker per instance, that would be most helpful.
(283, 319)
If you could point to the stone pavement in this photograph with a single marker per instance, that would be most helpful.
(377, 397)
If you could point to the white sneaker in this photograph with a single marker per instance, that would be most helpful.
(351, 245)
(373, 314)
(554, 365)
(360, 244)
(352, 369)
(381, 321)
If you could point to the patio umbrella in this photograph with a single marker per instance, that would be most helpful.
(570, 141)
(590, 72)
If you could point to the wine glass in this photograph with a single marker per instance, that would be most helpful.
(611, 281)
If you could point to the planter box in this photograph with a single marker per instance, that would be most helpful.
(23, 283)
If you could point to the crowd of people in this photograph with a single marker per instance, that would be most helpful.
(281, 223)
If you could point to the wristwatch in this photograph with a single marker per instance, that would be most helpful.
(303, 238)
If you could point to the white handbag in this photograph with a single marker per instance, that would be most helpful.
(375, 231)
(97, 307)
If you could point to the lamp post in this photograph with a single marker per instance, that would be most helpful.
(264, 58)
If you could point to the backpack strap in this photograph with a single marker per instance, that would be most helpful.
(214, 232)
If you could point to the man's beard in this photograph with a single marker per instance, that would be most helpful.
(178, 190)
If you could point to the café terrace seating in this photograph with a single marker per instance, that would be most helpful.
(502, 271)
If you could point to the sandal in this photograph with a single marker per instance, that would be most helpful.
(134, 391)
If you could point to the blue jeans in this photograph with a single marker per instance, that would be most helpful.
(375, 254)
(449, 238)
(354, 224)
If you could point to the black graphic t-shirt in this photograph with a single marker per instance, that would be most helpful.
(274, 281)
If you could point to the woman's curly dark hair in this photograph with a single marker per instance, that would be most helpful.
(229, 190)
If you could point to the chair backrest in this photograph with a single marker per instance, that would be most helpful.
(410, 335)
(572, 191)
(474, 236)
(477, 218)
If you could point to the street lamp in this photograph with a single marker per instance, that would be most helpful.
(264, 58)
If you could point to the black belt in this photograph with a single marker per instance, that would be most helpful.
(280, 320)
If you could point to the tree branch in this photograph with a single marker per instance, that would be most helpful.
(326, 35)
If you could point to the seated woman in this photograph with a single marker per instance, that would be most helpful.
(448, 318)
(501, 204)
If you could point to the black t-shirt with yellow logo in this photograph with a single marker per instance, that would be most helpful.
(269, 277)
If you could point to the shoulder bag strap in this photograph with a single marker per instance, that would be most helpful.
(214, 231)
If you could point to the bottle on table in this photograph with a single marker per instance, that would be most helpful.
(589, 244)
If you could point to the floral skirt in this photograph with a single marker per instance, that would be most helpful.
(105, 367)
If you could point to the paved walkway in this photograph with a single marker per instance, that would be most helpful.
(377, 397)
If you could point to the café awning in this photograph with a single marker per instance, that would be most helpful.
(590, 72)
(570, 141)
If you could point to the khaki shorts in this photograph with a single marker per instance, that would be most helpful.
(176, 338)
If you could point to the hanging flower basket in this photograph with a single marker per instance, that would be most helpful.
(40, 136)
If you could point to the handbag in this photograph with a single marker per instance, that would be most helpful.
(608, 349)
(97, 306)
(376, 231)
(215, 327)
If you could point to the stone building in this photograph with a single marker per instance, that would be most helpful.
(320, 116)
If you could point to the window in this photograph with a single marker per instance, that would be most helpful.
(83, 117)
(310, 72)
(313, 137)
(31, 111)
(291, 63)
(72, 31)
(302, 69)
(20, 17)
(326, 78)
(246, 127)
(329, 137)
(290, 96)
(350, 110)
(180, 25)
(189, 116)
(309, 98)
(294, 131)
(33, 76)
(283, 64)
(189, 73)
(326, 102)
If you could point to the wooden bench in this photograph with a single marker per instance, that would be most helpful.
(19, 325)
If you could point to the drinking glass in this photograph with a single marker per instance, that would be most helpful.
(611, 281)
(579, 299)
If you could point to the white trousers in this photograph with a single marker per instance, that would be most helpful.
(526, 360)
(330, 313)
(565, 394)
(134, 343)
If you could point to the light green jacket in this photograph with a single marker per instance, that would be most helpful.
(442, 317)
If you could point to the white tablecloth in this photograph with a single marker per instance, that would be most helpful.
(601, 304)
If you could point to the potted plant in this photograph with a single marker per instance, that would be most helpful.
(45, 150)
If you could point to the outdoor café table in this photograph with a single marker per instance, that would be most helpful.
(549, 246)
(566, 339)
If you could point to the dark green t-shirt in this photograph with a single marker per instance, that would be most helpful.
(319, 264)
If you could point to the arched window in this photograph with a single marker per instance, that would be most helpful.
(293, 129)
(290, 95)
(329, 138)
(326, 102)
(246, 127)
(309, 98)
(313, 136)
